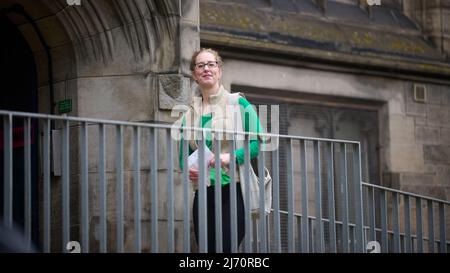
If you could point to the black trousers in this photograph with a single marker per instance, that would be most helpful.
(226, 220)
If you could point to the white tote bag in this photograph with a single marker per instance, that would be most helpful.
(254, 184)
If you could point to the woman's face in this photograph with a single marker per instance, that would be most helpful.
(207, 76)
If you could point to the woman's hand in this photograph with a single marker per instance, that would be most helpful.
(193, 175)
(224, 160)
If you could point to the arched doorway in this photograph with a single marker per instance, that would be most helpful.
(18, 92)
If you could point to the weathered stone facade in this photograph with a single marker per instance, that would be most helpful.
(121, 60)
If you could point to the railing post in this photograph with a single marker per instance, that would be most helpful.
(430, 226)
(331, 203)
(262, 217)
(248, 216)
(186, 194)
(290, 193)
(119, 188)
(318, 187)
(170, 199)
(419, 224)
(384, 227)
(358, 198)
(65, 184)
(276, 199)
(84, 161)
(202, 197)
(218, 193)
(8, 171)
(407, 211)
(102, 186)
(153, 144)
(396, 223)
(27, 169)
(304, 192)
(442, 222)
(137, 187)
(344, 202)
(46, 171)
(233, 197)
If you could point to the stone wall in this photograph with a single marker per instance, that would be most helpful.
(434, 19)
(121, 60)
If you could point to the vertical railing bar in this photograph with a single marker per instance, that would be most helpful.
(202, 197)
(396, 222)
(46, 170)
(84, 161)
(442, 235)
(262, 218)
(312, 242)
(170, 190)
(419, 225)
(298, 221)
(248, 209)
(344, 192)
(119, 191)
(276, 199)
(65, 184)
(27, 169)
(186, 194)
(8, 171)
(137, 188)
(354, 238)
(290, 192)
(371, 205)
(407, 210)
(153, 141)
(304, 192)
(102, 186)
(358, 199)
(233, 197)
(319, 225)
(218, 193)
(384, 231)
(331, 203)
(430, 226)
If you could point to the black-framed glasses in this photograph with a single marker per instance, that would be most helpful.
(211, 65)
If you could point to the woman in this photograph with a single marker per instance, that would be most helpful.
(212, 107)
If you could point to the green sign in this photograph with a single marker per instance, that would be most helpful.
(65, 106)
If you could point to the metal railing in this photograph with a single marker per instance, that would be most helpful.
(115, 186)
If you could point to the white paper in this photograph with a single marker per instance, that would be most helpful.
(193, 159)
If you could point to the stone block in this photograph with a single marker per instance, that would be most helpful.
(416, 109)
(443, 175)
(445, 135)
(406, 158)
(189, 43)
(173, 90)
(436, 154)
(445, 95)
(126, 98)
(401, 129)
(434, 94)
(418, 121)
(417, 179)
(190, 10)
(425, 134)
(438, 115)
